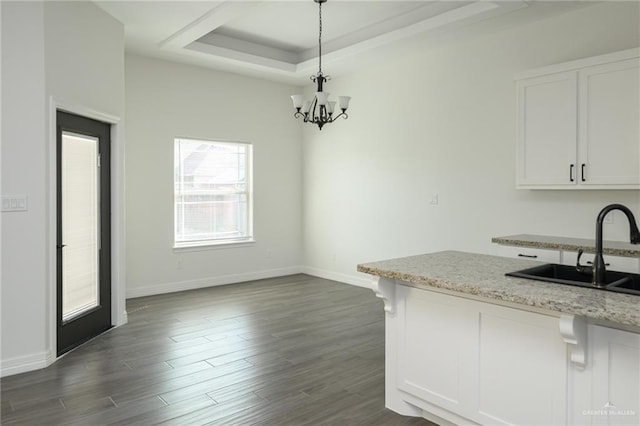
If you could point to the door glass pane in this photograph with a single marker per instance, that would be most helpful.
(80, 224)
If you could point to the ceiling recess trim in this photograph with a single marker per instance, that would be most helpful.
(477, 10)
(199, 37)
(220, 14)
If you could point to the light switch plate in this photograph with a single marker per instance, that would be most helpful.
(14, 203)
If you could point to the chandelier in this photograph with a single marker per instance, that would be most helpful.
(320, 109)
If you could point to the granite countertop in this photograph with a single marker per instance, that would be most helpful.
(612, 248)
(483, 276)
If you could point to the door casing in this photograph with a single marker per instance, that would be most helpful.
(118, 262)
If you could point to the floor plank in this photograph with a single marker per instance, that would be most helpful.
(295, 350)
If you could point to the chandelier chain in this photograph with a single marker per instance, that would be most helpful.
(320, 39)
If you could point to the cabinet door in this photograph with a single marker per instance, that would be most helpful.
(521, 368)
(436, 347)
(547, 116)
(616, 377)
(609, 132)
(485, 363)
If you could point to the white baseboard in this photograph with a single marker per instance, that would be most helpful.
(210, 282)
(173, 287)
(337, 276)
(123, 319)
(22, 364)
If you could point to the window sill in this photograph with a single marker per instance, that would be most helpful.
(213, 245)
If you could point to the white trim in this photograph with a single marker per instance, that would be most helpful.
(83, 111)
(172, 287)
(364, 281)
(579, 63)
(209, 245)
(217, 16)
(463, 15)
(217, 141)
(118, 284)
(239, 57)
(22, 364)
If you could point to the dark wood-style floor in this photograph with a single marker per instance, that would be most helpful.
(295, 350)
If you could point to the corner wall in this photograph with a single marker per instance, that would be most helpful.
(442, 121)
(166, 100)
(24, 256)
(71, 53)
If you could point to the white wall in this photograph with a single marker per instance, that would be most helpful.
(72, 53)
(24, 257)
(442, 121)
(167, 100)
(84, 53)
(85, 56)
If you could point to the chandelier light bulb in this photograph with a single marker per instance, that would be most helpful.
(297, 101)
(344, 102)
(322, 98)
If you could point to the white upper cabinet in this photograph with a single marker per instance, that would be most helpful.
(579, 124)
(609, 132)
(547, 114)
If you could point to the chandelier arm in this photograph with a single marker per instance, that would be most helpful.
(312, 111)
(342, 114)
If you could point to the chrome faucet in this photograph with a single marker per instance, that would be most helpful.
(599, 268)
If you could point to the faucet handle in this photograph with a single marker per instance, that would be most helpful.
(583, 269)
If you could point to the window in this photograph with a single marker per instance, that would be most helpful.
(213, 200)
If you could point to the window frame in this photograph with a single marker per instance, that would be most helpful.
(197, 245)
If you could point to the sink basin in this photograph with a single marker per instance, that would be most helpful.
(621, 282)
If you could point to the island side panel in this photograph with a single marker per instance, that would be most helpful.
(385, 289)
(467, 361)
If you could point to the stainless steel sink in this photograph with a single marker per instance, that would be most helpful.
(620, 282)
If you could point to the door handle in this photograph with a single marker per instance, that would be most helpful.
(530, 256)
(59, 246)
(582, 172)
(571, 172)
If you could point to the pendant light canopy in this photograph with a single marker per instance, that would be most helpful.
(320, 110)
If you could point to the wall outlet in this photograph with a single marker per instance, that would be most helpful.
(608, 218)
(435, 199)
(179, 263)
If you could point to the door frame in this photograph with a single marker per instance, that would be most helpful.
(118, 260)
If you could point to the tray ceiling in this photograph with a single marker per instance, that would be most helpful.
(279, 39)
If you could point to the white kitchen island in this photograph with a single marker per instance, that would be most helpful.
(467, 345)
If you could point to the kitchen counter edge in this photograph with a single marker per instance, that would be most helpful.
(480, 275)
(612, 248)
